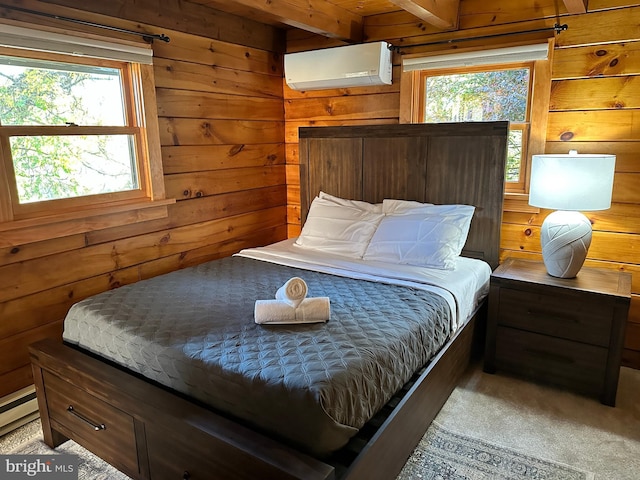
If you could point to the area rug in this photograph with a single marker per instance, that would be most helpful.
(441, 455)
(446, 455)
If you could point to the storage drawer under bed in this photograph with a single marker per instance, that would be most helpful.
(99, 427)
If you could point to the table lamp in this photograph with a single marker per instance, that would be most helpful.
(569, 184)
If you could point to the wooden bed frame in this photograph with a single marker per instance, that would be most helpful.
(147, 432)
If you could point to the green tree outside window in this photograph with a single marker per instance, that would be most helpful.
(43, 93)
(483, 96)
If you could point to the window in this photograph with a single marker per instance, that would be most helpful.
(510, 83)
(487, 94)
(79, 137)
(68, 129)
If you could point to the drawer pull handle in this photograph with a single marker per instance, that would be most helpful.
(186, 475)
(550, 355)
(554, 318)
(96, 426)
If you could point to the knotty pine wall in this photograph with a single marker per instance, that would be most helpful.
(594, 108)
(220, 109)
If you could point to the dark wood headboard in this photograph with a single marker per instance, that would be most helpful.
(445, 163)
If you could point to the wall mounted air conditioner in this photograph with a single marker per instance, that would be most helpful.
(339, 67)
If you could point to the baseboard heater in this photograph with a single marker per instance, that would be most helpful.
(18, 408)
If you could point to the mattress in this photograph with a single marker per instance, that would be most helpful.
(464, 287)
(312, 386)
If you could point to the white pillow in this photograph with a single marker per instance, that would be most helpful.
(400, 206)
(339, 229)
(369, 207)
(428, 235)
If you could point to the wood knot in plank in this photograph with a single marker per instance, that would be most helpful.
(566, 136)
(206, 129)
(236, 149)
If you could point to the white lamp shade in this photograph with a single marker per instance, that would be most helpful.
(572, 182)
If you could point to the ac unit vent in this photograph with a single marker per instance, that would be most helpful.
(339, 67)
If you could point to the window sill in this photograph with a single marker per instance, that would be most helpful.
(20, 232)
(518, 202)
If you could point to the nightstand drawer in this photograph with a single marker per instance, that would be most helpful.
(553, 360)
(94, 424)
(587, 320)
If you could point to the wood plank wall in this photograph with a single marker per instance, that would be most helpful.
(594, 108)
(220, 110)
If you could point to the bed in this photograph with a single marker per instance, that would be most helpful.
(159, 419)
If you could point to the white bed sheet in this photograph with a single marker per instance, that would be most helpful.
(463, 287)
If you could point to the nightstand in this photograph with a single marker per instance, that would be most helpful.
(567, 332)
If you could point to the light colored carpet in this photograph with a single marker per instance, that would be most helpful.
(551, 423)
(490, 414)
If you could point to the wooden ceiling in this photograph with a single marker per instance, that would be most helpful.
(343, 19)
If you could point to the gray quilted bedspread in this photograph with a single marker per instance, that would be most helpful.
(311, 385)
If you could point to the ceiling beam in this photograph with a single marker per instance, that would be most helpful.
(439, 13)
(323, 18)
(576, 6)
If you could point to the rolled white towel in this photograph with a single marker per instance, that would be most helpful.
(293, 292)
(310, 310)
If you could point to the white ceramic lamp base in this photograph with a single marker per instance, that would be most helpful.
(565, 239)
